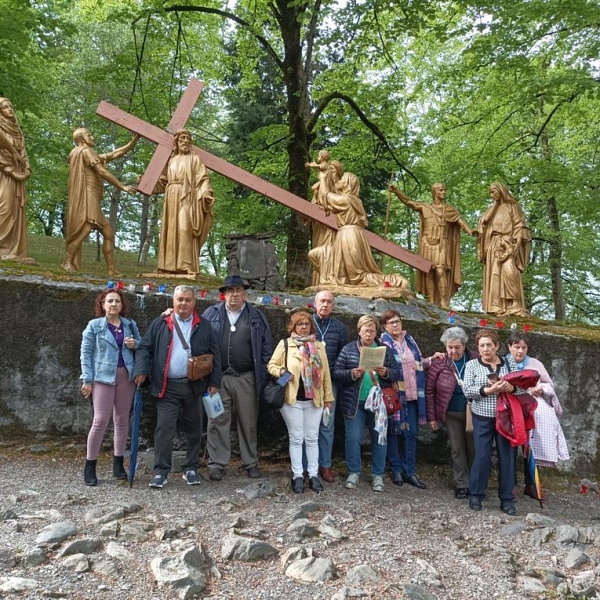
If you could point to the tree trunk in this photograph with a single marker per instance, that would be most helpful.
(296, 83)
(555, 242)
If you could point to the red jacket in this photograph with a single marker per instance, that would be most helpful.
(440, 385)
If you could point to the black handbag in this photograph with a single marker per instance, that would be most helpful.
(274, 394)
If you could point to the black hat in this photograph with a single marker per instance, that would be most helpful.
(233, 281)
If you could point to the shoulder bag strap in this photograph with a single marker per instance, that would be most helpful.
(178, 330)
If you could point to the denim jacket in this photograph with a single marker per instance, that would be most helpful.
(100, 353)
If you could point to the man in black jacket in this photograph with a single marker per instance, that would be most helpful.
(162, 356)
(244, 338)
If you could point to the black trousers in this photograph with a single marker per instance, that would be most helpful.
(179, 397)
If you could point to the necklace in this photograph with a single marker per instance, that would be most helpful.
(322, 333)
(461, 371)
(115, 328)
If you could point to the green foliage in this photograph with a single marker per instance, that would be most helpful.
(465, 92)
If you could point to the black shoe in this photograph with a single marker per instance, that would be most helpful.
(508, 507)
(118, 468)
(215, 474)
(315, 485)
(397, 479)
(413, 480)
(89, 473)
(461, 493)
(298, 485)
(475, 504)
(253, 472)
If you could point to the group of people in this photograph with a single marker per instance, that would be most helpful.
(324, 369)
(464, 381)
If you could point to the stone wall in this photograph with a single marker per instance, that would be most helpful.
(40, 333)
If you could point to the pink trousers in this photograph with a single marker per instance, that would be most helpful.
(110, 400)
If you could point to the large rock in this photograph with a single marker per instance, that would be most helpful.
(56, 532)
(312, 569)
(181, 575)
(246, 549)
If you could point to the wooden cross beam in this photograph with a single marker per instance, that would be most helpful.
(164, 141)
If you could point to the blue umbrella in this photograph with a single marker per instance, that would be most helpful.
(135, 433)
(533, 482)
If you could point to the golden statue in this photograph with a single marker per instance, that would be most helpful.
(14, 170)
(503, 248)
(348, 261)
(439, 242)
(187, 210)
(87, 170)
(323, 236)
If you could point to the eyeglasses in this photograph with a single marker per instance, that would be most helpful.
(306, 324)
(394, 322)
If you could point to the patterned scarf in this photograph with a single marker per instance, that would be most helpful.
(311, 363)
(388, 340)
(514, 365)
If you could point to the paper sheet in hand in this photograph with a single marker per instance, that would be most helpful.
(370, 358)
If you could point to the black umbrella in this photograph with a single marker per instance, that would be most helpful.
(135, 433)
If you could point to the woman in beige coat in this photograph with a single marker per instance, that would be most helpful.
(306, 393)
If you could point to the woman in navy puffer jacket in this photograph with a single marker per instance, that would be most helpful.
(356, 387)
(446, 403)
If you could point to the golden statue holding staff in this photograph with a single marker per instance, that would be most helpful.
(439, 242)
(87, 171)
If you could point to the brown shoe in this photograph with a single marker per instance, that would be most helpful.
(253, 472)
(326, 474)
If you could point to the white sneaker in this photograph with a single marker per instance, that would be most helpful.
(352, 481)
(377, 484)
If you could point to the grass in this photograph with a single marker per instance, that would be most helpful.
(49, 253)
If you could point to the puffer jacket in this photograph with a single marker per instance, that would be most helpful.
(440, 385)
(348, 360)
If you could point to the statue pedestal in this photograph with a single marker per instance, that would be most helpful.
(365, 291)
(157, 275)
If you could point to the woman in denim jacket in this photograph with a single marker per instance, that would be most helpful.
(107, 360)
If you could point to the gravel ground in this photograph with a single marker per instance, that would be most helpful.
(421, 537)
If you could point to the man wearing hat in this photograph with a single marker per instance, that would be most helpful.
(245, 342)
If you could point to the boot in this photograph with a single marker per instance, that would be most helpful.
(89, 473)
(118, 468)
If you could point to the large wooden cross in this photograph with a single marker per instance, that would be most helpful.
(164, 141)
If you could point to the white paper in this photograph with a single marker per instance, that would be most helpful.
(371, 358)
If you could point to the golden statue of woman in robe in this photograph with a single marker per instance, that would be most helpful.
(349, 261)
(503, 248)
(14, 171)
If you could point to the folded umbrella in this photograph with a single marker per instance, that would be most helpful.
(533, 483)
(135, 433)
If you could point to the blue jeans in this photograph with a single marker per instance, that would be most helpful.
(355, 429)
(402, 449)
(484, 434)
